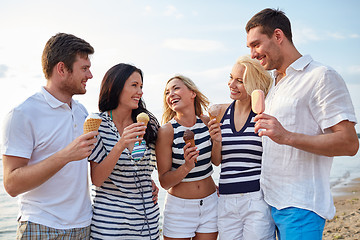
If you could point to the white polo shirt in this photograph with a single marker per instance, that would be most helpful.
(309, 99)
(36, 129)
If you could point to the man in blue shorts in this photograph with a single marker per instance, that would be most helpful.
(308, 119)
(45, 151)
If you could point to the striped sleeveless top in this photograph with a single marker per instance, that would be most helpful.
(203, 168)
(123, 207)
(241, 156)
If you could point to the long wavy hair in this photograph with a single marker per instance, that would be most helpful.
(110, 91)
(201, 102)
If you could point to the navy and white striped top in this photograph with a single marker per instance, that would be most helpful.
(120, 203)
(241, 156)
(203, 168)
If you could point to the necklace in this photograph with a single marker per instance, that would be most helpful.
(111, 115)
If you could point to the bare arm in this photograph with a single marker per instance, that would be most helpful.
(19, 177)
(101, 171)
(167, 177)
(215, 134)
(341, 141)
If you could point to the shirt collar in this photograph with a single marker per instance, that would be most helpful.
(301, 63)
(52, 101)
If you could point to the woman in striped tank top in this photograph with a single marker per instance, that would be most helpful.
(184, 171)
(242, 211)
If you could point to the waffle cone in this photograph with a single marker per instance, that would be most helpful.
(192, 142)
(145, 121)
(92, 124)
(218, 117)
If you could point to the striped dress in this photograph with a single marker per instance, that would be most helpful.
(203, 168)
(123, 206)
(241, 156)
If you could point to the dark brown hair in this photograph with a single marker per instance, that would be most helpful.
(269, 20)
(110, 91)
(64, 48)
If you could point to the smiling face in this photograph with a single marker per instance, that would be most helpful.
(132, 92)
(236, 83)
(264, 49)
(178, 95)
(75, 82)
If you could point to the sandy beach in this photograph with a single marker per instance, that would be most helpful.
(346, 223)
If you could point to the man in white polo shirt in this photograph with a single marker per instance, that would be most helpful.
(44, 151)
(308, 119)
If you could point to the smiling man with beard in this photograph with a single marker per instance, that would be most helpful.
(309, 118)
(44, 149)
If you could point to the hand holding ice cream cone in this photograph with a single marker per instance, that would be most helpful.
(142, 117)
(189, 138)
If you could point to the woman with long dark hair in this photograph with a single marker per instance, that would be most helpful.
(125, 203)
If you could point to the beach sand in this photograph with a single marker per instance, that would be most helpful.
(346, 223)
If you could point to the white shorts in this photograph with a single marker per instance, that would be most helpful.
(185, 217)
(245, 216)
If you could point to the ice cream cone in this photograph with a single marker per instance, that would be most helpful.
(189, 138)
(142, 117)
(92, 123)
(214, 112)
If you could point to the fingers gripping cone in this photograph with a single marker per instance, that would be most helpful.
(92, 123)
(189, 138)
(142, 117)
(258, 101)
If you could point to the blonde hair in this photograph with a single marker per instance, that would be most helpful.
(201, 102)
(255, 76)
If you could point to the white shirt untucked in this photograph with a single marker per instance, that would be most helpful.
(36, 129)
(309, 99)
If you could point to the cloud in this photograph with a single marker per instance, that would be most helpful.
(196, 45)
(355, 35)
(302, 35)
(3, 70)
(148, 10)
(305, 35)
(355, 69)
(336, 35)
(171, 11)
(340, 36)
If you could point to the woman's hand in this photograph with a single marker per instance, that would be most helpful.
(190, 155)
(215, 130)
(130, 136)
(155, 192)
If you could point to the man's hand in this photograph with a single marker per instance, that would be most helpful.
(267, 125)
(80, 148)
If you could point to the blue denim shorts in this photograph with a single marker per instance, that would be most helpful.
(298, 224)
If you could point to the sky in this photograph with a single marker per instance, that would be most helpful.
(200, 39)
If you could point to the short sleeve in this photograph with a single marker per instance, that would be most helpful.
(99, 152)
(330, 101)
(17, 135)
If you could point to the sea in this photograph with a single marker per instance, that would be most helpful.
(344, 170)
